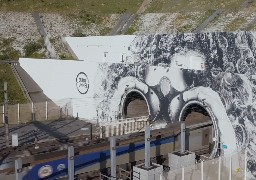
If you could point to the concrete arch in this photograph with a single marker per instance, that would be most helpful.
(216, 133)
(125, 97)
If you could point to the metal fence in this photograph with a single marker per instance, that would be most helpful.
(41, 111)
(231, 167)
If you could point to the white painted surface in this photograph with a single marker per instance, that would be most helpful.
(101, 48)
(141, 173)
(188, 60)
(57, 78)
(15, 140)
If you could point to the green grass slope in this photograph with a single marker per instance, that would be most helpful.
(68, 6)
(198, 5)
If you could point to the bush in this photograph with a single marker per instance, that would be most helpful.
(7, 52)
(31, 48)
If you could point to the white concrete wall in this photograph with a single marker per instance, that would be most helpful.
(57, 78)
(93, 48)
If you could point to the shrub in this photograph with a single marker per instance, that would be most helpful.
(7, 52)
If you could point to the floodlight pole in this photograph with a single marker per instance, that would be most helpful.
(6, 123)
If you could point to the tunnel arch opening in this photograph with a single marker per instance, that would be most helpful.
(135, 105)
(195, 113)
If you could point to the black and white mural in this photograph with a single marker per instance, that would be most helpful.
(216, 71)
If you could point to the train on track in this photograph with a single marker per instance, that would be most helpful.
(51, 162)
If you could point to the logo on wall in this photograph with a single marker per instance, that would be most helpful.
(82, 83)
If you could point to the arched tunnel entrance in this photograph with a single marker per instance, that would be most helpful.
(195, 114)
(134, 105)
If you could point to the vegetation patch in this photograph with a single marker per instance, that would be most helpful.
(15, 94)
(7, 52)
(134, 27)
(66, 56)
(181, 23)
(253, 27)
(105, 31)
(78, 33)
(87, 17)
(204, 17)
(193, 5)
(72, 7)
(235, 24)
(35, 49)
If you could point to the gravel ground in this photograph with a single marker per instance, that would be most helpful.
(156, 23)
(19, 26)
(224, 20)
(22, 28)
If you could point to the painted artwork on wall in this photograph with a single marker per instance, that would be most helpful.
(213, 72)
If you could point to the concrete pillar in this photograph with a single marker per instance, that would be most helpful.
(113, 157)
(117, 130)
(219, 168)
(147, 146)
(182, 137)
(15, 140)
(18, 169)
(112, 130)
(6, 116)
(71, 163)
(202, 170)
(46, 110)
(245, 164)
(182, 173)
(18, 113)
(230, 167)
(33, 112)
(106, 131)
(3, 114)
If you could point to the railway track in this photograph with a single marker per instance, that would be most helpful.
(34, 156)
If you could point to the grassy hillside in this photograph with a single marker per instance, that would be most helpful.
(68, 6)
(198, 5)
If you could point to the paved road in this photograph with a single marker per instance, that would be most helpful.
(46, 130)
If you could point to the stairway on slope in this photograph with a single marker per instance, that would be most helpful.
(35, 95)
(31, 89)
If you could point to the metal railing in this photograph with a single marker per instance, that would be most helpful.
(123, 174)
(123, 126)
